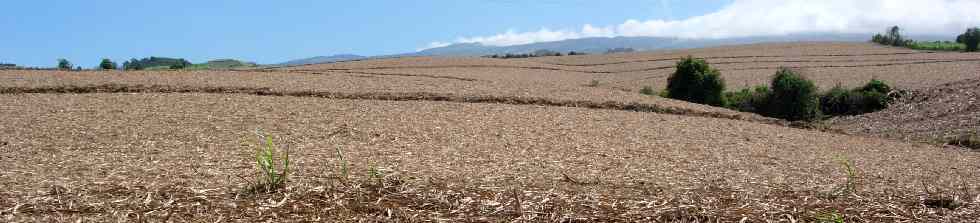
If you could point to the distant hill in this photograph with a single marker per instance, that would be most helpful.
(322, 59)
(600, 45)
(223, 64)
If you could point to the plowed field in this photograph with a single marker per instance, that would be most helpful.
(555, 139)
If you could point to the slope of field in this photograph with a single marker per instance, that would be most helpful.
(544, 87)
(187, 157)
(828, 64)
(935, 114)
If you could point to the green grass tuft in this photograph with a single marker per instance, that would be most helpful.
(266, 159)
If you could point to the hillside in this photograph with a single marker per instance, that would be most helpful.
(321, 59)
(222, 64)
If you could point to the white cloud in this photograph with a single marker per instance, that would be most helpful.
(777, 17)
(514, 38)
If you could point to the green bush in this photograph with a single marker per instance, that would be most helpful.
(871, 97)
(937, 46)
(793, 97)
(876, 86)
(181, 64)
(107, 64)
(971, 38)
(695, 81)
(837, 101)
(64, 64)
(749, 100)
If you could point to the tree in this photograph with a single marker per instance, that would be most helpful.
(181, 64)
(107, 64)
(132, 64)
(895, 36)
(695, 81)
(64, 64)
(971, 38)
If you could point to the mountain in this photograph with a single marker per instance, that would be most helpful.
(322, 59)
(602, 44)
(599, 45)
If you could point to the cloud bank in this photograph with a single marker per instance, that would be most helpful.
(744, 18)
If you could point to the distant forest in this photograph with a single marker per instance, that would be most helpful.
(156, 63)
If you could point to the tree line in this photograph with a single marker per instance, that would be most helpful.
(538, 53)
(967, 41)
(133, 64)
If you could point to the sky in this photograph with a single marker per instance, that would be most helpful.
(37, 33)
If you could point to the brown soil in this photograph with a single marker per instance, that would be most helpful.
(187, 157)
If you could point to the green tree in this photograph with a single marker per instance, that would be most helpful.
(971, 38)
(895, 36)
(793, 97)
(107, 64)
(133, 64)
(180, 64)
(64, 64)
(695, 81)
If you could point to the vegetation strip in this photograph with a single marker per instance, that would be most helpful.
(862, 65)
(738, 57)
(388, 74)
(383, 96)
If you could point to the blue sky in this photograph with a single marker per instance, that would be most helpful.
(36, 33)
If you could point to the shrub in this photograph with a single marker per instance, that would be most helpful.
(793, 97)
(937, 45)
(749, 100)
(871, 97)
(180, 64)
(695, 81)
(836, 102)
(876, 86)
(107, 64)
(64, 64)
(971, 38)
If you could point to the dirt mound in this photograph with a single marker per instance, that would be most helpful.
(936, 114)
(388, 96)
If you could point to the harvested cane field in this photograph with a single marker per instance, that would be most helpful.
(553, 139)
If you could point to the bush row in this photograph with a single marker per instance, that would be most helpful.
(789, 95)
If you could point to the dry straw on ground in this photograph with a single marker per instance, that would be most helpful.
(461, 140)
